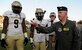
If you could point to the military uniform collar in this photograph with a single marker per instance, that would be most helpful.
(65, 23)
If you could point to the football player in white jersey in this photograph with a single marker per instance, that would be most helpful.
(38, 40)
(51, 38)
(14, 28)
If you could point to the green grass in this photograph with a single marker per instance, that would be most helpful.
(25, 47)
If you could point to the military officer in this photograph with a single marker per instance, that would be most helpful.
(66, 34)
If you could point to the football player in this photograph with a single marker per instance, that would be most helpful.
(14, 28)
(51, 38)
(38, 40)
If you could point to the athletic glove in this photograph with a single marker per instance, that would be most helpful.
(32, 45)
(25, 39)
(3, 41)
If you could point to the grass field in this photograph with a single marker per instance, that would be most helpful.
(25, 47)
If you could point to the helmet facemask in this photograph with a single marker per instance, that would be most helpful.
(39, 15)
(16, 9)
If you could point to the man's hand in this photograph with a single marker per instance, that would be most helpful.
(3, 43)
(35, 24)
(25, 41)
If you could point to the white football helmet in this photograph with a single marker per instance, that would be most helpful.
(16, 3)
(52, 13)
(39, 13)
(39, 10)
(16, 7)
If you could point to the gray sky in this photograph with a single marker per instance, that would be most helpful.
(29, 6)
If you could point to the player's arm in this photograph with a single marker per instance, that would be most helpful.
(23, 25)
(25, 32)
(32, 35)
(31, 32)
(4, 31)
(32, 29)
(5, 25)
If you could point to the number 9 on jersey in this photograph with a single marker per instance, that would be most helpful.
(16, 23)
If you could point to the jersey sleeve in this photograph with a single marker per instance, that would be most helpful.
(6, 13)
(5, 21)
(46, 22)
(23, 15)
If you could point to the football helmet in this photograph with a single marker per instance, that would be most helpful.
(39, 13)
(16, 7)
(52, 14)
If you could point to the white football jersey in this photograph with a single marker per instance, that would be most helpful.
(15, 20)
(39, 37)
